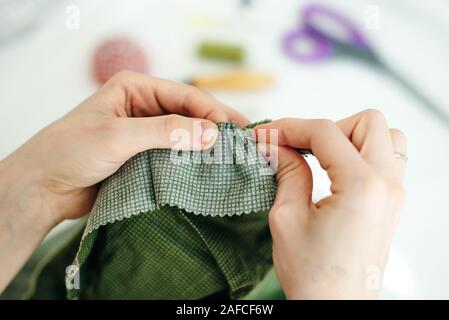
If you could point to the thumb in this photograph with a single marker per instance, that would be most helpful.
(294, 193)
(166, 132)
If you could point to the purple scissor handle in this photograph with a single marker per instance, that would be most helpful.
(322, 41)
(343, 38)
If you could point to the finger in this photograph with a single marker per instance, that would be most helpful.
(195, 103)
(177, 132)
(369, 133)
(333, 150)
(236, 116)
(399, 142)
(147, 96)
(175, 97)
(293, 175)
(294, 193)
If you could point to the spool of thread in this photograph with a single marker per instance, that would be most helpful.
(118, 54)
(221, 51)
(234, 80)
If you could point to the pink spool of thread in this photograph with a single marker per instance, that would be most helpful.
(118, 54)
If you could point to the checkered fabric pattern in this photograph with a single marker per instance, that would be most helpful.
(235, 179)
(161, 229)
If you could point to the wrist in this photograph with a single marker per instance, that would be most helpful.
(23, 198)
(25, 218)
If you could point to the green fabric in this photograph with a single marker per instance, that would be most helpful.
(164, 229)
(230, 179)
(268, 289)
(42, 277)
(171, 254)
(167, 227)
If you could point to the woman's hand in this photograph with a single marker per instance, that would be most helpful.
(54, 175)
(338, 247)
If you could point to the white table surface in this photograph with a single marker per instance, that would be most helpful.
(46, 72)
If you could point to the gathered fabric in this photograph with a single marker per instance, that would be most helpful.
(175, 225)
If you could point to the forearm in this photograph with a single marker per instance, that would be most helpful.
(25, 217)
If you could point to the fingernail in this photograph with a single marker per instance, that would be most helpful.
(264, 150)
(209, 133)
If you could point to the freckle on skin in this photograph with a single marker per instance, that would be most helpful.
(339, 270)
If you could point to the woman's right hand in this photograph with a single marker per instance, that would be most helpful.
(336, 248)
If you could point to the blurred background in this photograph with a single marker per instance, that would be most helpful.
(267, 59)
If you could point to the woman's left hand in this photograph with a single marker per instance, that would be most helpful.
(54, 175)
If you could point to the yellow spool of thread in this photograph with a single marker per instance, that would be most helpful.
(235, 80)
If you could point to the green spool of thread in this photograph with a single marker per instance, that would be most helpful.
(221, 51)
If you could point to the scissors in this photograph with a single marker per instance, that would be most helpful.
(327, 33)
